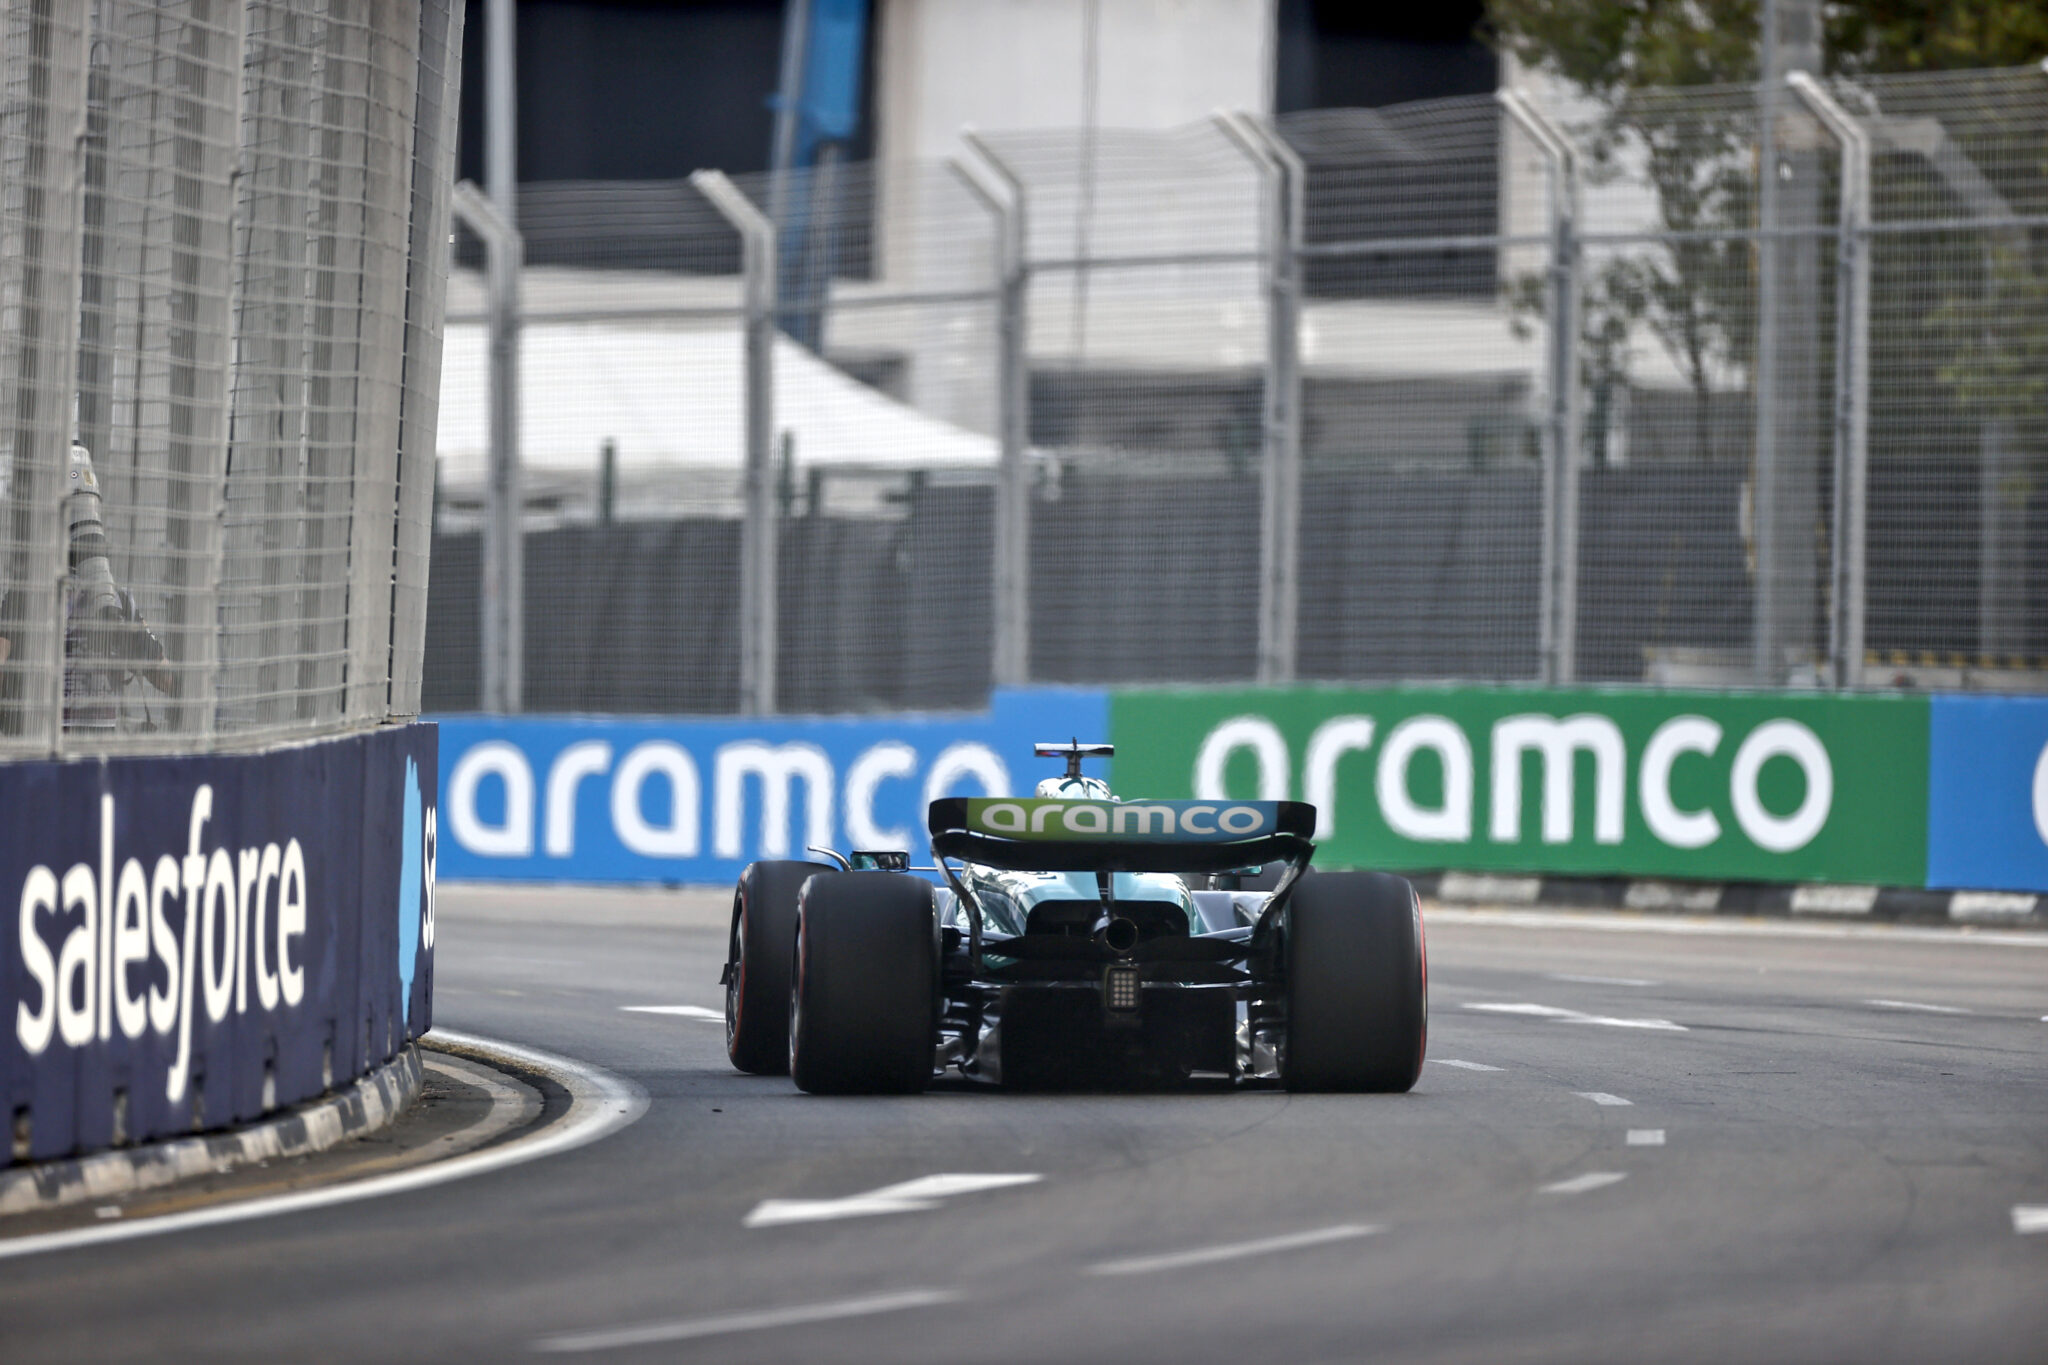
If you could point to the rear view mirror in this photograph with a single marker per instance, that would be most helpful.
(879, 860)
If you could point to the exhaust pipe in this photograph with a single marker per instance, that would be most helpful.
(1117, 933)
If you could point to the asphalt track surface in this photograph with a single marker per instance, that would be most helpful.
(1675, 1143)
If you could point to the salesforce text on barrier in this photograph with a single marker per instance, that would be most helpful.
(248, 907)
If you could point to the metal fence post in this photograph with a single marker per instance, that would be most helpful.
(1011, 646)
(1280, 471)
(503, 569)
(1558, 592)
(758, 531)
(1852, 385)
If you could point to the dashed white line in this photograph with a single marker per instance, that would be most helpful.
(1234, 1251)
(1602, 1098)
(1579, 1184)
(1601, 980)
(1607, 922)
(1646, 1137)
(723, 1324)
(681, 1011)
(1564, 1016)
(911, 1196)
(1461, 1065)
(1916, 1005)
(2029, 1218)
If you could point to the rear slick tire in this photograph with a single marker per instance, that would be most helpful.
(1357, 984)
(863, 1003)
(757, 987)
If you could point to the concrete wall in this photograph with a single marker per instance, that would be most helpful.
(1016, 64)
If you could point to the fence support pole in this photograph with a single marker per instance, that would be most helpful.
(1558, 584)
(504, 582)
(1010, 661)
(1285, 184)
(758, 531)
(1852, 385)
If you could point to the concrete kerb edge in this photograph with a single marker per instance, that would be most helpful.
(1769, 900)
(372, 1102)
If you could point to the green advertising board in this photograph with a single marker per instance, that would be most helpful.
(1712, 785)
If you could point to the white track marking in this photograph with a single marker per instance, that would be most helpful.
(1600, 980)
(1602, 1098)
(681, 1011)
(911, 1196)
(2030, 1218)
(1462, 1066)
(1608, 922)
(1646, 1137)
(1234, 1251)
(600, 1104)
(724, 1324)
(1915, 1005)
(1564, 1016)
(1579, 1184)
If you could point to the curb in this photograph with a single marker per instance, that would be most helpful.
(364, 1107)
(1772, 900)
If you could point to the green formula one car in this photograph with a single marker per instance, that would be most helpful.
(1067, 945)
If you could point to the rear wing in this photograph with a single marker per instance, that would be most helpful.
(1041, 834)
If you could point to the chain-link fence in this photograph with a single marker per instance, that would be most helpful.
(220, 307)
(1712, 386)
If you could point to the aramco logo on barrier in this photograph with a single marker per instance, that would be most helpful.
(777, 773)
(1449, 814)
(244, 912)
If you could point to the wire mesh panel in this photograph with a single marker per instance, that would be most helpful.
(154, 356)
(886, 434)
(1958, 540)
(631, 419)
(209, 291)
(1704, 534)
(1147, 355)
(1422, 500)
(324, 209)
(42, 103)
(433, 169)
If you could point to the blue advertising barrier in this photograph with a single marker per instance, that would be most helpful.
(1987, 793)
(609, 799)
(198, 940)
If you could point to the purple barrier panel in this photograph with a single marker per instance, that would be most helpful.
(200, 939)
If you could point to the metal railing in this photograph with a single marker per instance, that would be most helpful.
(1527, 388)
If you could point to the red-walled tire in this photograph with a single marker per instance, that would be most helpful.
(1357, 984)
(757, 977)
(863, 1017)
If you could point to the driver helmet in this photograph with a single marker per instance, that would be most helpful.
(1075, 789)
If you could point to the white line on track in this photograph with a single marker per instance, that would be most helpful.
(1916, 1005)
(911, 1196)
(2030, 1218)
(681, 1011)
(1602, 1098)
(1646, 1137)
(1579, 1184)
(1462, 1066)
(1564, 1016)
(1607, 921)
(1601, 980)
(600, 1103)
(1267, 1246)
(723, 1324)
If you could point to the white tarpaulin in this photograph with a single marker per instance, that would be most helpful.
(675, 398)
